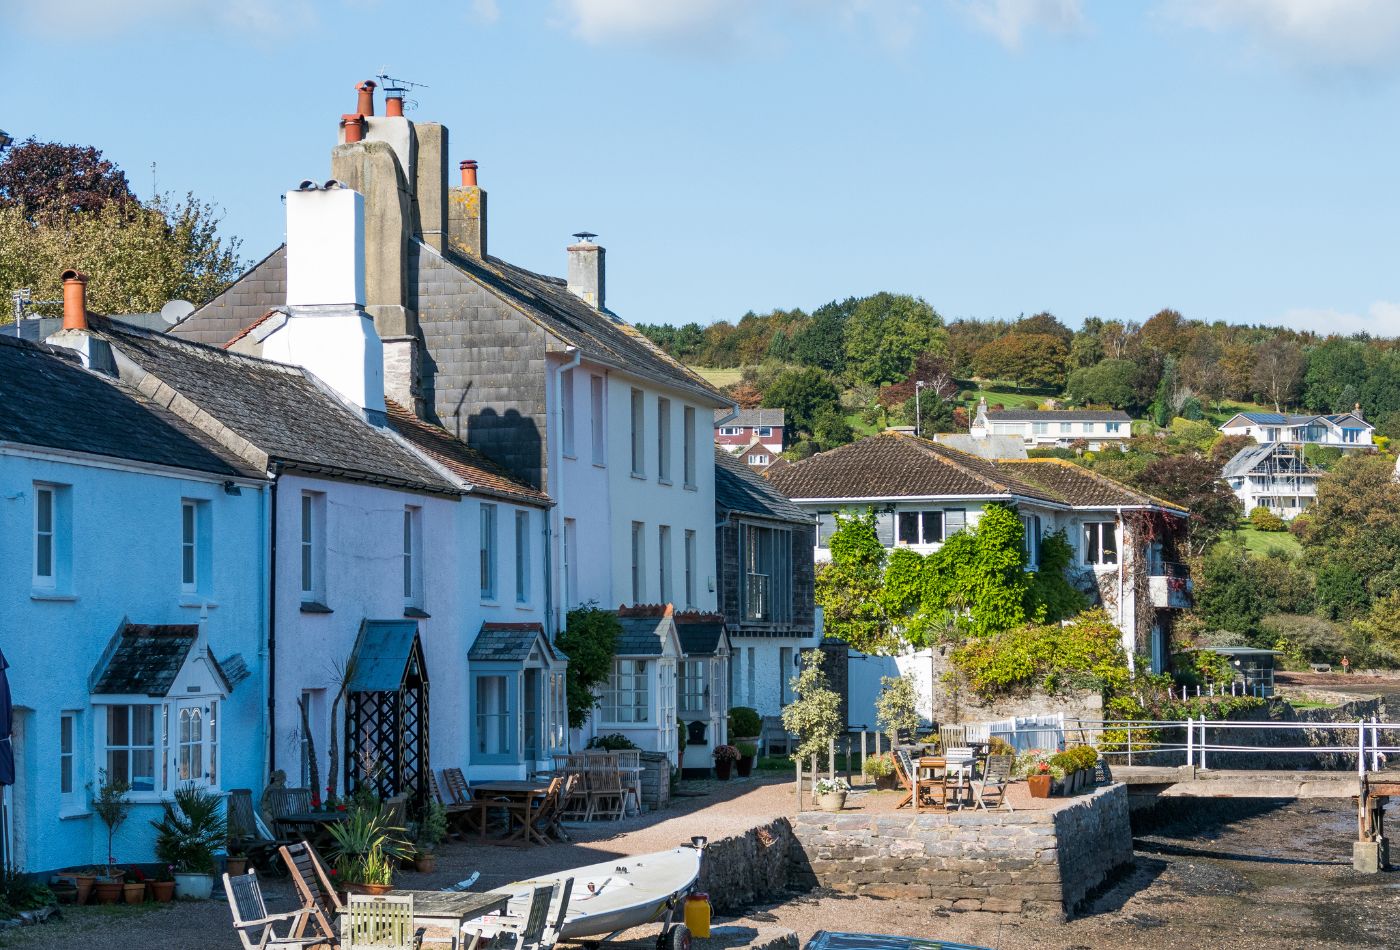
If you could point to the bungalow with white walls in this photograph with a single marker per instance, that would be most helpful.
(923, 492)
(133, 599)
(1052, 428)
(535, 372)
(1342, 430)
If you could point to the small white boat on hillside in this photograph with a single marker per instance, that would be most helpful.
(616, 895)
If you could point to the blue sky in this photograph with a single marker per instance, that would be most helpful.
(1234, 159)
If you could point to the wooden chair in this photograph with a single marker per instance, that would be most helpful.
(318, 896)
(254, 924)
(556, 925)
(960, 771)
(460, 817)
(952, 737)
(906, 773)
(247, 833)
(605, 794)
(575, 805)
(631, 760)
(545, 820)
(528, 934)
(774, 737)
(379, 923)
(278, 803)
(461, 794)
(996, 775)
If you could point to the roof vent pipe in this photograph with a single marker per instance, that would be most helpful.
(365, 105)
(74, 300)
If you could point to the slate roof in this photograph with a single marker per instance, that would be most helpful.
(989, 446)
(644, 632)
(282, 411)
(483, 476)
(382, 652)
(506, 642)
(261, 288)
(895, 465)
(700, 636)
(1291, 419)
(1248, 459)
(741, 490)
(752, 417)
(146, 658)
(1059, 415)
(50, 401)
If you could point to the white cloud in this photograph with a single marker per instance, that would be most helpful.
(1347, 33)
(1010, 20)
(1381, 319)
(263, 19)
(486, 10)
(602, 21)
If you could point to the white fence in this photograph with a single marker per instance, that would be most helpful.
(1024, 733)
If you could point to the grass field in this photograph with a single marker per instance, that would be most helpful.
(1262, 542)
(717, 376)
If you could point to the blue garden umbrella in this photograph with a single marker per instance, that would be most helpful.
(7, 722)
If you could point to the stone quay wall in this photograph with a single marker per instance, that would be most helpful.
(748, 869)
(1038, 863)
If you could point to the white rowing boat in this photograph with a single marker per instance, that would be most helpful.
(614, 895)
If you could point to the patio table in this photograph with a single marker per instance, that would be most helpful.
(522, 801)
(451, 910)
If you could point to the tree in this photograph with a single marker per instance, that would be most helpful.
(1351, 538)
(136, 257)
(746, 395)
(1333, 367)
(1109, 383)
(589, 639)
(1036, 359)
(822, 342)
(1164, 332)
(1227, 447)
(43, 179)
(1193, 482)
(1278, 371)
(934, 371)
(1044, 323)
(885, 332)
(966, 338)
(814, 716)
(830, 429)
(897, 707)
(804, 394)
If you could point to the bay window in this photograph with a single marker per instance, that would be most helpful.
(130, 747)
(494, 724)
(693, 688)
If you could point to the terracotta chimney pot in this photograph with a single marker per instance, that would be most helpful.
(393, 105)
(468, 167)
(74, 300)
(354, 126)
(365, 106)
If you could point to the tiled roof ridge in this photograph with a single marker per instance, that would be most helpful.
(250, 327)
(532, 625)
(699, 616)
(1098, 477)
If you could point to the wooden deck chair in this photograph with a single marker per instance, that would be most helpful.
(996, 775)
(255, 926)
(247, 834)
(545, 820)
(383, 922)
(556, 923)
(907, 774)
(279, 803)
(460, 818)
(318, 895)
(528, 934)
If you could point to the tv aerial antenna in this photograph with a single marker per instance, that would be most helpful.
(394, 88)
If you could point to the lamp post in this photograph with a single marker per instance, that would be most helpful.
(918, 408)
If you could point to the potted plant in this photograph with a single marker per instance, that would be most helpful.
(747, 752)
(1064, 768)
(186, 837)
(163, 887)
(365, 849)
(85, 879)
(1040, 773)
(830, 794)
(112, 806)
(745, 725)
(880, 768)
(134, 892)
(432, 831)
(725, 757)
(235, 858)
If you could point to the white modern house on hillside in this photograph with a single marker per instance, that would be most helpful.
(1051, 428)
(1344, 430)
(1273, 475)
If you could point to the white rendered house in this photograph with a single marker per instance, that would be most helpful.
(1054, 428)
(1344, 430)
(1273, 475)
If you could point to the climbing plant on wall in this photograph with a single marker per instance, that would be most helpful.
(589, 640)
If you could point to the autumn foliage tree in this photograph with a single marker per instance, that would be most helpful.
(41, 179)
(1034, 359)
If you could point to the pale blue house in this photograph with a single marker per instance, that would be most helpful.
(132, 606)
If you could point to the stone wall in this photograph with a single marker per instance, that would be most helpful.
(954, 703)
(1038, 863)
(748, 869)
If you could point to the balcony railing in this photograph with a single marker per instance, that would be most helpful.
(757, 604)
(1169, 569)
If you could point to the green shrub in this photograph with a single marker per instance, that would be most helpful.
(589, 640)
(1262, 519)
(744, 722)
(879, 766)
(614, 742)
(747, 750)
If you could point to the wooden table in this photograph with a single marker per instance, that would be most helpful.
(452, 910)
(523, 799)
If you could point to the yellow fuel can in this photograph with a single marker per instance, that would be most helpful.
(697, 915)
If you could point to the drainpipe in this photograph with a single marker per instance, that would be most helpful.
(272, 626)
(264, 619)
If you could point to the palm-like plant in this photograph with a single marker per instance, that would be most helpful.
(190, 830)
(366, 846)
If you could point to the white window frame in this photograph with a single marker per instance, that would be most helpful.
(413, 556)
(638, 425)
(597, 402)
(155, 749)
(919, 527)
(688, 452)
(694, 679)
(46, 532)
(757, 459)
(312, 541)
(1094, 533)
(557, 713)
(315, 700)
(690, 563)
(663, 440)
(639, 562)
(70, 762)
(189, 546)
(490, 549)
(663, 562)
(522, 556)
(765, 432)
(497, 723)
(1112, 427)
(627, 695)
(570, 548)
(566, 413)
(1040, 428)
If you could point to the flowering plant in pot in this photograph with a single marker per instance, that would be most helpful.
(163, 887)
(830, 793)
(747, 753)
(187, 836)
(725, 757)
(1040, 771)
(881, 769)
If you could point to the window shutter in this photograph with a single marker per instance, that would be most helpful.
(954, 520)
(884, 528)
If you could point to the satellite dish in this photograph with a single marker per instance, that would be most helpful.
(176, 310)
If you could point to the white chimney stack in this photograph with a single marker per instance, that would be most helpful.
(326, 329)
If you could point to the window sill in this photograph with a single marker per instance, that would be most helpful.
(315, 607)
(416, 613)
(73, 812)
(571, 456)
(524, 606)
(639, 476)
(691, 487)
(600, 464)
(664, 481)
(490, 602)
(193, 600)
(53, 595)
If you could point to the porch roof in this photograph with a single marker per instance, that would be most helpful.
(381, 655)
(702, 636)
(145, 659)
(511, 643)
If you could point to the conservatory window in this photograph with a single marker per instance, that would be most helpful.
(628, 695)
(130, 748)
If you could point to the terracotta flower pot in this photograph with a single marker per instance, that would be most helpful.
(65, 893)
(85, 884)
(163, 891)
(1039, 785)
(108, 892)
(722, 767)
(425, 863)
(134, 893)
(373, 890)
(236, 866)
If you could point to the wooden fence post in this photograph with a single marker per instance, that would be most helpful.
(798, 786)
(831, 758)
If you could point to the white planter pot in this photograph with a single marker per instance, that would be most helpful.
(196, 886)
(831, 801)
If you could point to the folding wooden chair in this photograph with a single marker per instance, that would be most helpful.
(318, 896)
(545, 820)
(576, 804)
(907, 775)
(996, 775)
(460, 818)
(247, 833)
(382, 922)
(254, 924)
(461, 794)
(605, 794)
(278, 803)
